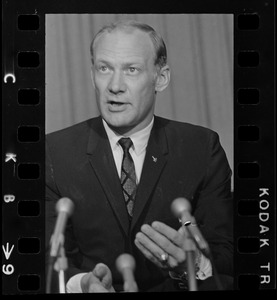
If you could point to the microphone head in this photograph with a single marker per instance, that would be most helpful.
(179, 205)
(125, 260)
(65, 205)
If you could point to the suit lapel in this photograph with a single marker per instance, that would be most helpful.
(102, 162)
(155, 160)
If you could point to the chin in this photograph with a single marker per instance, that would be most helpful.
(120, 125)
(117, 121)
(115, 124)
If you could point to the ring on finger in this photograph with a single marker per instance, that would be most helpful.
(164, 257)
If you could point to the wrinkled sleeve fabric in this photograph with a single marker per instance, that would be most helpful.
(213, 207)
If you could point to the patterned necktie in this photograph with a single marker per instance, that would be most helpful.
(128, 175)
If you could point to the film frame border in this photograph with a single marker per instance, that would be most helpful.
(255, 230)
(254, 158)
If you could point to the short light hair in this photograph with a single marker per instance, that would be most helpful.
(125, 25)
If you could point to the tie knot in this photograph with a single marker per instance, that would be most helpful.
(125, 143)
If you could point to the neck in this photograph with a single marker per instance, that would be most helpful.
(128, 131)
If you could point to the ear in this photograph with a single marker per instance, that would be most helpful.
(92, 76)
(163, 78)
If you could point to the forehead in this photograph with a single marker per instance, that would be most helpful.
(122, 44)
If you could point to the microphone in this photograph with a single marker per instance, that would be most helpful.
(181, 208)
(126, 264)
(64, 208)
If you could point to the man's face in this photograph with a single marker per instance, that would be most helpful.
(124, 77)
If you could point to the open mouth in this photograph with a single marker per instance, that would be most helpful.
(117, 106)
(116, 103)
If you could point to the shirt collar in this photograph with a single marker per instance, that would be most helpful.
(139, 138)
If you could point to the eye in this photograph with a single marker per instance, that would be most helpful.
(133, 70)
(103, 69)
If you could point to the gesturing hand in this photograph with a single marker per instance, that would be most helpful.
(159, 239)
(98, 281)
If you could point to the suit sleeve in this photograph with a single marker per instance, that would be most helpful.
(213, 206)
(52, 195)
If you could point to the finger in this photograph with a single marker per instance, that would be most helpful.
(170, 264)
(153, 241)
(107, 279)
(100, 270)
(184, 232)
(147, 253)
(97, 288)
(104, 274)
(174, 236)
(149, 245)
(87, 280)
(164, 242)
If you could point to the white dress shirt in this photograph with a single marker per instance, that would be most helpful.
(137, 151)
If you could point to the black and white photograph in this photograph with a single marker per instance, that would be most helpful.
(138, 147)
(139, 151)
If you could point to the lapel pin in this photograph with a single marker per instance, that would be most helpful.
(154, 159)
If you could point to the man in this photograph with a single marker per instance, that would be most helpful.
(123, 189)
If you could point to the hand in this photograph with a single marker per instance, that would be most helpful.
(157, 239)
(98, 281)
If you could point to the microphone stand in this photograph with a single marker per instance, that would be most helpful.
(190, 262)
(207, 254)
(61, 265)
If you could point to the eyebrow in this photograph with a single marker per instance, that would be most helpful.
(125, 64)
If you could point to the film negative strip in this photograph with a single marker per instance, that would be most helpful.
(23, 152)
(23, 135)
(255, 224)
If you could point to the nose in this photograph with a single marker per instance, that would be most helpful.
(117, 84)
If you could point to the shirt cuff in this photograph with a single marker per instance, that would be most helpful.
(205, 268)
(74, 284)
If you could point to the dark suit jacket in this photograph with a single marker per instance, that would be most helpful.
(189, 162)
